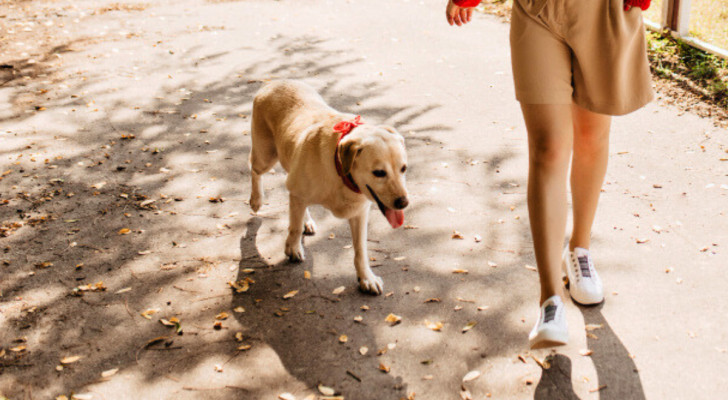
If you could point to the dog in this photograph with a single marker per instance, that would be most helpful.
(333, 159)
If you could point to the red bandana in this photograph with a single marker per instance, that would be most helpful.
(344, 128)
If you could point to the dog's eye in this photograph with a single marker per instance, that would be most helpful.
(404, 168)
(379, 173)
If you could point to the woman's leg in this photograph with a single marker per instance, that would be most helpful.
(588, 167)
(550, 136)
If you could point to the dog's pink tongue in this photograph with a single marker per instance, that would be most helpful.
(395, 217)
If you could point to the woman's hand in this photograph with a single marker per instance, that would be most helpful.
(457, 15)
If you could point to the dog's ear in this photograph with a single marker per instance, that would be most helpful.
(394, 132)
(348, 150)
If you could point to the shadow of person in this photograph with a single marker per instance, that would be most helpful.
(306, 330)
(617, 374)
(556, 381)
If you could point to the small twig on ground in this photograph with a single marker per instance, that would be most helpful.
(184, 290)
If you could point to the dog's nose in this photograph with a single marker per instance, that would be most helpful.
(401, 203)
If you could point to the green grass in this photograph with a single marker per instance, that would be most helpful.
(708, 20)
(670, 57)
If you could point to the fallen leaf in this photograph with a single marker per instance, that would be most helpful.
(325, 390)
(472, 375)
(222, 316)
(433, 300)
(585, 352)
(238, 336)
(239, 309)
(435, 326)
(70, 359)
(18, 349)
(592, 327)
(597, 389)
(363, 350)
(530, 267)
(290, 294)
(364, 307)
(244, 347)
(358, 318)
(384, 368)
(343, 339)
(642, 240)
(393, 319)
(109, 373)
(469, 326)
(492, 264)
(148, 313)
(124, 231)
(286, 396)
(218, 368)
(306, 275)
(460, 271)
(339, 290)
(427, 378)
(483, 308)
(457, 235)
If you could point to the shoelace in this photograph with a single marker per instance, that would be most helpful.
(549, 313)
(584, 266)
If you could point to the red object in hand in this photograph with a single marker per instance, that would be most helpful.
(471, 3)
(643, 4)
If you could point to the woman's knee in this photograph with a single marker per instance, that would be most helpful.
(548, 151)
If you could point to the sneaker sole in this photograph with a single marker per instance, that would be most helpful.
(546, 339)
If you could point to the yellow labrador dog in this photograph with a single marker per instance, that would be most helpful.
(332, 159)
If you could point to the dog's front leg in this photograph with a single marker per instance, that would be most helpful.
(368, 282)
(297, 209)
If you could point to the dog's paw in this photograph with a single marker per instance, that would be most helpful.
(295, 252)
(371, 284)
(255, 203)
(309, 228)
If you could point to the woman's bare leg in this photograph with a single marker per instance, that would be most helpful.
(550, 136)
(588, 167)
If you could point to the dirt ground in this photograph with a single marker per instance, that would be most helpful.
(132, 268)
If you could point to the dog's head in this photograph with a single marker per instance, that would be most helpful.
(375, 157)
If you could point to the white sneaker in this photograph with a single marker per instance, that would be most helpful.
(585, 287)
(550, 329)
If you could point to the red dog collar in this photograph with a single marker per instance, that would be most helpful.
(345, 127)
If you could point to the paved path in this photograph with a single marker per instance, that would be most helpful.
(179, 76)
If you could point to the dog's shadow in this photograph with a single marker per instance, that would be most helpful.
(618, 377)
(306, 330)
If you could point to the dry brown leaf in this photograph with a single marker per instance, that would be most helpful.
(435, 326)
(469, 326)
(306, 275)
(338, 290)
(222, 316)
(290, 294)
(325, 390)
(148, 313)
(457, 235)
(433, 300)
(364, 307)
(70, 359)
(384, 368)
(492, 264)
(393, 319)
(363, 350)
(286, 396)
(244, 347)
(238, 336)
(483, 308)
(530, 267)
(358, 318)
(460, 271)
(124, 231)
(472, 375)
(592, 327)
(585, 352)
(18, 349)
(642, 240)
(597, 389)
(109, 372)
(239, 309)
(343, 339)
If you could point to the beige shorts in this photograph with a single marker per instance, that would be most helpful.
(589, 52)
